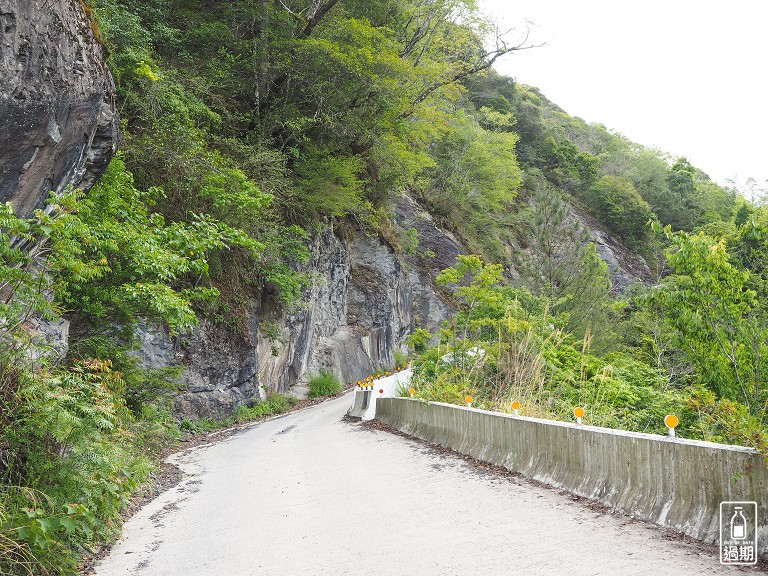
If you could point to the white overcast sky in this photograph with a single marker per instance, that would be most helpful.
(689, 77)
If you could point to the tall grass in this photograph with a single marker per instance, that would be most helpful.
(16, 556)
(324, 384)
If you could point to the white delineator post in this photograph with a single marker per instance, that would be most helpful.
(579, 413)
(671, 421)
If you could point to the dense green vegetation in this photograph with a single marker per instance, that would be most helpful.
(324, 384)
(248, 127)
(275, 403)
(692, 347)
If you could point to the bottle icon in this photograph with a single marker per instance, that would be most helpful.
(738, 524)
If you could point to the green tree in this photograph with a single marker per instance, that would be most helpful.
(571, 168)
(708, 303)
(749, 250)
(475, 178)
(115, 260)
(562, 264)
(615, 202)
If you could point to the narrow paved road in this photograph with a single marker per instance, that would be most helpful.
(310, 494)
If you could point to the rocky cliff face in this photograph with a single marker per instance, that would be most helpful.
(625, 267)
(58, 122)
(437, 250)
(363, 301)
(59, 127)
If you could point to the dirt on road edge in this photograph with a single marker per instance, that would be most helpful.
(483, 467)
(168, 475)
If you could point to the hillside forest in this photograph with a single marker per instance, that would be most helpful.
(251, 126)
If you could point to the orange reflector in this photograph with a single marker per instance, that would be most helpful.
(468, 399)
(578, 412)
(515, 405)
(412, 391)
(671, 421)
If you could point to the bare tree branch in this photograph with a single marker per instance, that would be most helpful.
(310, 16)
(317, 16)
(282, 4)
(484, 62)
(426, 45)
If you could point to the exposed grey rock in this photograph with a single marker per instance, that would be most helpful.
(157, 348)
(58, 121)
(360, 306)
(293, 343)
(50, 339)
(219, 367)
(355, 315)
(437, 250)
(625, 267)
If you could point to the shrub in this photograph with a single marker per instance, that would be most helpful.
(273, 404)
(616, 202)
(419, 340)
(401, 359)
(324, 384)
(145, 388)
(69, 448)
(206, 425)
(16, 556)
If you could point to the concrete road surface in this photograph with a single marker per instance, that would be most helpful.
(310, 494)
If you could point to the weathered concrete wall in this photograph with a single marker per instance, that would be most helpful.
(360, 402)
(673, 482)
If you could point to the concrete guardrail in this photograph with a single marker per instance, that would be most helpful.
(673, 482)
(360, 403)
